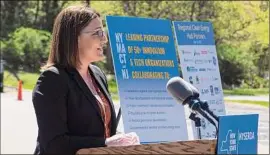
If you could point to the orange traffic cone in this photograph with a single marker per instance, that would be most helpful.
(20, 90)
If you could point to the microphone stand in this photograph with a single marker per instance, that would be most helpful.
(197, 121)
(205, 106)
(198, 106)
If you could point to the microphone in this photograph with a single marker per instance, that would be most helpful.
(195, 91)
(184, 93)
(176, 85)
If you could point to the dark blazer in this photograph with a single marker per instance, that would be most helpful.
(68, 114)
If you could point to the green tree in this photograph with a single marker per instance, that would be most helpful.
(27, 49)
(234, 65)
(13, 15)
(241, 30)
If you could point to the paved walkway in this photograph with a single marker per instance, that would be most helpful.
(19, 128)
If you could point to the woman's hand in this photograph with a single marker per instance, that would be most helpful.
(123, 140)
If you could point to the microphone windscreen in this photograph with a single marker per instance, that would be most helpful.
(179, 89)
(194, 90)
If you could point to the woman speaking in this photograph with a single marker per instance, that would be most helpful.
(72, 103)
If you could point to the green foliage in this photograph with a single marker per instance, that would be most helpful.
(26, 49)
(254, 81)
(11, 56)
(112, 86)
(13, 15)
(234, 64)
(241, 31)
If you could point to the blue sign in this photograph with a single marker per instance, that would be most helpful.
(238, 134)
(194, 33)
(144, 60)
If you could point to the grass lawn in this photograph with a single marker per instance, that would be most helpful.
(261, 103)
(251, 92)
(29, 79)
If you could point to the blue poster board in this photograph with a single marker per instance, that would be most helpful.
(199, 65)
(144, 59)
(238, 134)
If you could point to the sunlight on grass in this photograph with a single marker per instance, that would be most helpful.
(29, 79)
(261, 103)
(251, 92)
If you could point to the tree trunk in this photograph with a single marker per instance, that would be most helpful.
(192, 11)
(36, 15)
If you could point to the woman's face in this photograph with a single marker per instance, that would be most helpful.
(91, 41)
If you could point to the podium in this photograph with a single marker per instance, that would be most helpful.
(181, 147)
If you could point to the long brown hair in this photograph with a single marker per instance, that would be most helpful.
(67, 27)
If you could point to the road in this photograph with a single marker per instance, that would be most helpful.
(19, 128)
